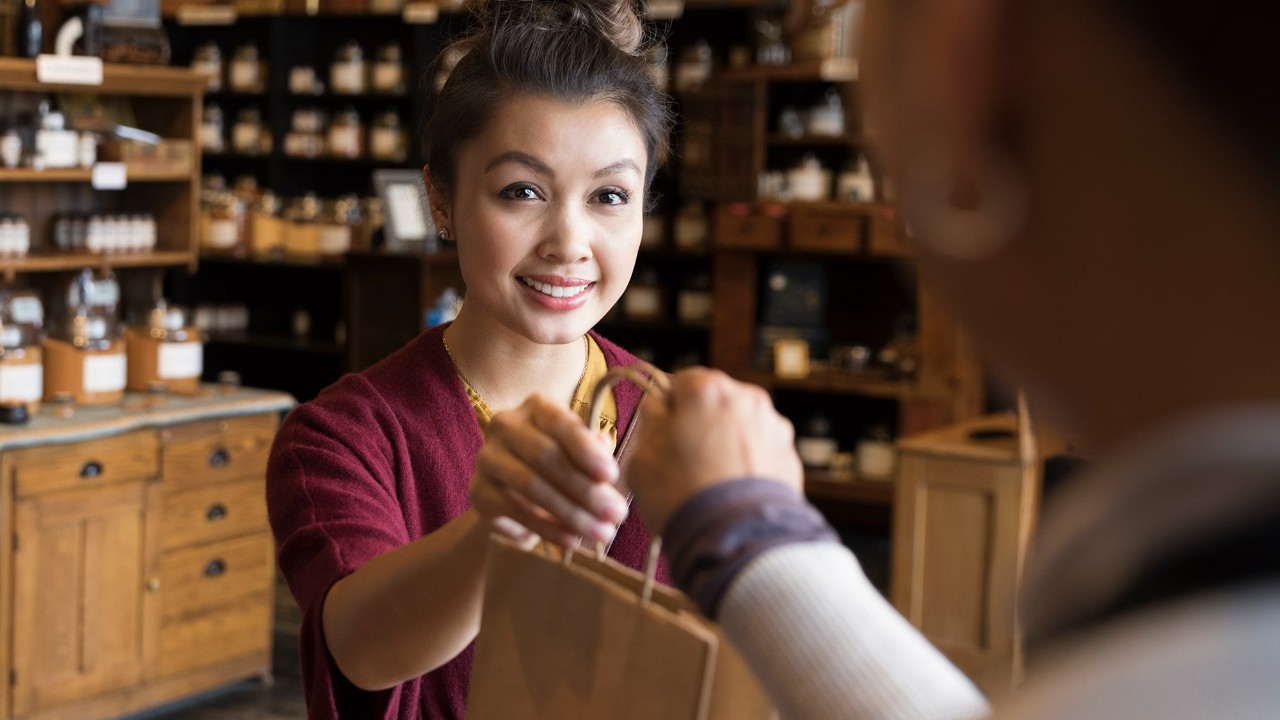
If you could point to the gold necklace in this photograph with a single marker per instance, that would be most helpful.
(586, 361)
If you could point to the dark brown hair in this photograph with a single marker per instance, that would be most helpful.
(569, 50)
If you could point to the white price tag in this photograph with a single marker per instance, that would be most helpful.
(421, 13)
(180, 360)
(109, 176)
(21, 383)
(104, 373)
(69, 70)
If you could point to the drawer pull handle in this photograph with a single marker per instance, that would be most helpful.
(91, 469)
(216, 512)
(215, 568)
(219, 457)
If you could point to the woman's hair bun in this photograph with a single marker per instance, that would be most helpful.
(616, 20)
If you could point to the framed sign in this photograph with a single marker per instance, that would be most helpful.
(408, 217)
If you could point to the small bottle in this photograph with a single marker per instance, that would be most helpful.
(857, 184)
(208, 62)
(87, 149)
(808, 180)
(387, 137)
(30, 30)
(388, 70)
(346, 134)
(826, 119)
(347, 74)
(246, 70)
(224, 223)
(211, 136)
(815, 445)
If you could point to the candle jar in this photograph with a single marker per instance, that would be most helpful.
(208, 62)
(246, 70)
(387, 140)
(347, 73)
(346, 134)
(388, 70)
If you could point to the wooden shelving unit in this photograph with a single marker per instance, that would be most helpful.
(848, 487)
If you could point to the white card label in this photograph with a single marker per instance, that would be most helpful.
(104, 373)
(109, 176)
(69, 70)
(26, 309)
(180, 360)
(21, 383)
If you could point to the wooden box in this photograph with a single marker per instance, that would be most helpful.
(827, 227)
(741, 226)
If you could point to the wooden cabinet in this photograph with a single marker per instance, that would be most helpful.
(140, 567)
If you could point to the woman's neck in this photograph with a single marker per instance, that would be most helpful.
(505, 368)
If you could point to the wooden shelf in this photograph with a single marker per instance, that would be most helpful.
(829, 70)
(815, 140)
(847, 487)
(74, 261)
(294, 261)
(134, 174)
(285, 343)
(834, 382)
(135, 80)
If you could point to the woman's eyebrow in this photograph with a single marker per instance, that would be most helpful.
(618, 167)
(515, 156)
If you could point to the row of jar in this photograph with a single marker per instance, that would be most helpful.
(312, 133)
(350, 73)
(808, 180)
(15, 236)
(305, 226)
(87, 356)
(107, 233)
(43, 141)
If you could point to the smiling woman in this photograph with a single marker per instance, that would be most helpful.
(384, 490)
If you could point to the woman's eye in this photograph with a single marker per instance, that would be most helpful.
(613, 196)
(519, 192)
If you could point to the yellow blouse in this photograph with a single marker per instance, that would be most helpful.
(596, 369)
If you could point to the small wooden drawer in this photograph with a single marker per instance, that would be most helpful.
(216, 512)
(885, 234)
(216, 450)
(740, 226)
(217, 602)
(88, 463)
(832, 227)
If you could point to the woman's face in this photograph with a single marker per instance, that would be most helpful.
(547, 212)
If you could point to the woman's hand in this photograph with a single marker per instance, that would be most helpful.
(709, 429)
(542, 472)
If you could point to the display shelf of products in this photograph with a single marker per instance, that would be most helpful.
(57, 262)
(834, 382)
(132, 174)
(275, 342)
(847, 487)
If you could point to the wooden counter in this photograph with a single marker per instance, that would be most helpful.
(139, 566)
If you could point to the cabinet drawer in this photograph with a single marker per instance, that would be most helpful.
(215, 450)
(885, 234)
(738, 225)
(217, 603)
(216, 512)
(828, 228)
(91, 463)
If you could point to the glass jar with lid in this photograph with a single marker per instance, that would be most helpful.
(302, 230)
(222, 220)
(388, 70)
(346, 134)
(21, 366)
(339, 225)
(164, 350)
(347, 73)
(246, 134)
(246, 69)
(84, 357)
(387, 138)
(266, 234)
(208, 62)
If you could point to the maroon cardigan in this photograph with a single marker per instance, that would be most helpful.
(377, 460)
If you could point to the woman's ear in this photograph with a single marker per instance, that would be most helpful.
(438, 201)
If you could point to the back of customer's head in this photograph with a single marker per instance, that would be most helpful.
(569, 50)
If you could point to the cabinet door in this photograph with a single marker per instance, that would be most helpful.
(81, 609)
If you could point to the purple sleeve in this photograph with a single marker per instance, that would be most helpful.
(719, 531)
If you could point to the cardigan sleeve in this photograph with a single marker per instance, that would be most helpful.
(331, 498)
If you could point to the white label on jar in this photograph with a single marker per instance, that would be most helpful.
(384, 143)
(334, 239)
(246, 138)
(347, 77)
(26, 309)
(222, 234)
(180, 360)
(211, 137)
(104, 373)
(21, 383)
(386, 76)
(244, 76)
(344, 141)
(643, 302)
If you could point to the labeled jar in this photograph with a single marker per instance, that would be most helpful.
(303, 81)
(347, 72)
(211, 129)
(84, 358)
(643, 298)
(815, 445)
(826, 119)
(246, 70)
(302, 231)
(388, 70)
(164, 352)
(266, 226)
(223, 221)
(207, 61)
(246, 134)
(15, 236)
(21, 366)
(387, 138)
(808, 180)
(346, 134)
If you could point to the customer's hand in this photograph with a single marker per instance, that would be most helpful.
(710, 429)
(542, 472)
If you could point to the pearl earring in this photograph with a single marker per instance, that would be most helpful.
(444, 234)
(967, 234)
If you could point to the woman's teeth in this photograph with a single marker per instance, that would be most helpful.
(555, 291)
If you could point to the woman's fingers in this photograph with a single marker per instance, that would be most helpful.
(512, 473)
